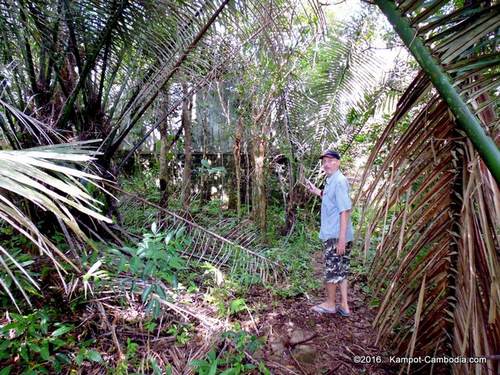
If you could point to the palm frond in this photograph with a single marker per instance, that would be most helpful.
(38, 130)
(100, 66)
(221, 251)
(342, 81)
(473, 42)
(47, 178)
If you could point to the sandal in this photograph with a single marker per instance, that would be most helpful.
(323, 310)
(342, 312)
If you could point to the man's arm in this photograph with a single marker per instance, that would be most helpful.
(344, 204)
(344, 218)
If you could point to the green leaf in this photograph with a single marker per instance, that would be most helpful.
(62, 330)
(5, 370)
(44, 353)
(229, 371)
(94, 356)
(44, 322)
(199, 363)
(135, 264)
(24, 353)
(213, 368)
(156, 368)
(237, 305)
(168, 237)
(79, 358)
(4, 345)
(148, 270)
(146, 292)
(57, 342)
(63, 358)
(263, 369)
(34, 347)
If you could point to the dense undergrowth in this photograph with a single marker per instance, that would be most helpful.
(111, 318)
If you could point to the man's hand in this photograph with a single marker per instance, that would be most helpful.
(312, 188)
(341, 246)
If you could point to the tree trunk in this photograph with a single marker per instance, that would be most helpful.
(259, 176)
(237, 164)
(248, 186)
(294, 196)
(164, 149)
(188, 153)
(205, 188)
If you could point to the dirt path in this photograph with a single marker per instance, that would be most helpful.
(300, 341)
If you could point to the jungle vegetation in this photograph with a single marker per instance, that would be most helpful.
(152, 160)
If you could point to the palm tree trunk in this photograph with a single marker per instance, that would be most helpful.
(106, 34)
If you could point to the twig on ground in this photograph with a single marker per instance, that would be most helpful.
(279, 365)
(253, 321)
(160, 325)
(297, 363)
(112, 330)
(252, 359)
(294, 344)
(204, 319)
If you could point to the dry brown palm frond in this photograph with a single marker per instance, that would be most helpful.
(431, 220)
(432, 206)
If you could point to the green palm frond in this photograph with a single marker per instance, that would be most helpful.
(337, 79)
(46, 177)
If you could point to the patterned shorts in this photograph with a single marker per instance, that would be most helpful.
(336, 266)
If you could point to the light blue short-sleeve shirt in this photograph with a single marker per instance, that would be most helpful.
(335, 200)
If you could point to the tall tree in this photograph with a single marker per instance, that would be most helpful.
(165, 147)
(188, 145)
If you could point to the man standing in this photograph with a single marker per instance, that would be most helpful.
(336, 233)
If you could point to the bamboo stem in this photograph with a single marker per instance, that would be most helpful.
(466, 120)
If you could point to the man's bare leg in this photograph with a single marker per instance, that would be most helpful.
(331, 289)
(343, 293)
